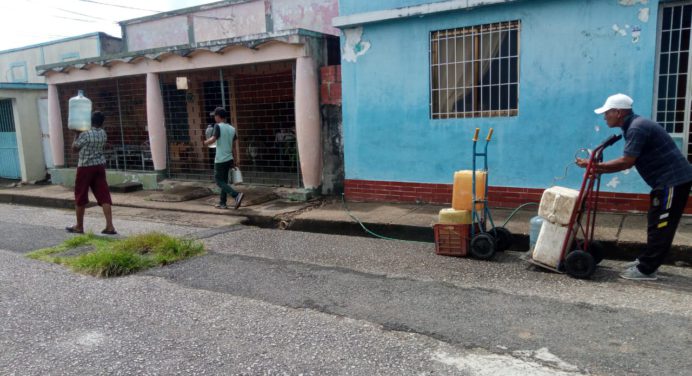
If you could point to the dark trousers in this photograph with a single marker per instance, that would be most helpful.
(221, 178)
(666, 208)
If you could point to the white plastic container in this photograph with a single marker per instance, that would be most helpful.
(557, 204)
(549, 244)
(236, 175)
(79, 116)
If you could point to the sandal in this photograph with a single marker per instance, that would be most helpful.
(109, 232)
(73, 230)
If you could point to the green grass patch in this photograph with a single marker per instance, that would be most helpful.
(109, 257)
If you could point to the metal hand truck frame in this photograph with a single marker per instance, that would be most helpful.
(580, 253)
(484, 244)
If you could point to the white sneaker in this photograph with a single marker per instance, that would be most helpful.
(630, 264)
(634, 274)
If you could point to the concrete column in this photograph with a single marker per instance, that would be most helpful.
(57, 143)
(308, 124)
(156, 122)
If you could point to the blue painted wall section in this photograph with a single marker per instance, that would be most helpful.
(573, 54)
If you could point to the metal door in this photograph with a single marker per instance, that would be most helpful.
(9, 155)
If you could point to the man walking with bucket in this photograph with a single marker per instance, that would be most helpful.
(224, 136)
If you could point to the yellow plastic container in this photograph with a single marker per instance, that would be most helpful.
(450, 216)
(462, 196)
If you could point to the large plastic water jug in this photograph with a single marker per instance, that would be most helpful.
(535, 224)
(462, 196)
(210, 132)
(557, 204)
(549, 244)
(79, 116)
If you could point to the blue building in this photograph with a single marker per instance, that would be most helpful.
(420, 75)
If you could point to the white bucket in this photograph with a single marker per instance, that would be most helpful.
(236, 175)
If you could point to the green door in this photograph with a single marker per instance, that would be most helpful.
(9, 155)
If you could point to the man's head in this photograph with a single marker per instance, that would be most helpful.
(219, 114)
(615, 109)
(97, 119)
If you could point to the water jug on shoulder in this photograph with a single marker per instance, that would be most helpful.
(79, 116)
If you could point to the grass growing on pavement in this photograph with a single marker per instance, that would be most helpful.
(108, 257)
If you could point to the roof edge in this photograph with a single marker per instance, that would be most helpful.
(99, 34)
(410, 11)
(22, 86)
(184, 49)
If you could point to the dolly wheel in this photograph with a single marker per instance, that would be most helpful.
(503, 238)
(580, 264)
(596, 249)
(483, 246)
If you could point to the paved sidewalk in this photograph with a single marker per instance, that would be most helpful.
(623, 234)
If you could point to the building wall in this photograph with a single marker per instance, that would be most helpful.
(573, 54)
(29, 140)
(19, 65)
(230, 20)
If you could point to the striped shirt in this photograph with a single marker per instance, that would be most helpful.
(90, 145)
(658, 160)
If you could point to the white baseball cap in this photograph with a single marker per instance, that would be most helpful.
(617, 101)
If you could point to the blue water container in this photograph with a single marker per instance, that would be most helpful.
(79, 116)
(535, 228)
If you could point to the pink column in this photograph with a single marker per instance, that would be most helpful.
(57, 144)
(156, 122)
(308, 125)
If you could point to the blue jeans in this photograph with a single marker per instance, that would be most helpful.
(221, 178)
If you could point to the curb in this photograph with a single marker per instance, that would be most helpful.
(613, 250)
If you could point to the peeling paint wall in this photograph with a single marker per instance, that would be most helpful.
(354, 45)
(313, 15)
(163, 32)
(232, 20)
(573, 54)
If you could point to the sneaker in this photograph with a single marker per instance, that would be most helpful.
(221, 206)
(633, 273)
(630, 264)
(238, 199)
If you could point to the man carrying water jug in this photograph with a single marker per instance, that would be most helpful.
(650, 149)
(91, 173)
(225, 138)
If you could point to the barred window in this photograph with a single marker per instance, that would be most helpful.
(474, 71)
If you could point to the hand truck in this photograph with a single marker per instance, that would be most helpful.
(484, 244)
(580, 253)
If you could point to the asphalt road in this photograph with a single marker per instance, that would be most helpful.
(276, 302)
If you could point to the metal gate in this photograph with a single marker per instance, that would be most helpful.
(673, 105)
(123, 102)
(9, 155)
(260, 101)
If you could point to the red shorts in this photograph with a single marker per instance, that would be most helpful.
(93, 177)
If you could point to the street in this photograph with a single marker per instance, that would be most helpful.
(267, 301)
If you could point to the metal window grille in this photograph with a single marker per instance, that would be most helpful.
(474, 71)
(673, 83)
(123, 102)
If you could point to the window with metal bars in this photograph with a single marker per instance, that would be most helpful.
(673, 99)
(474, 71)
